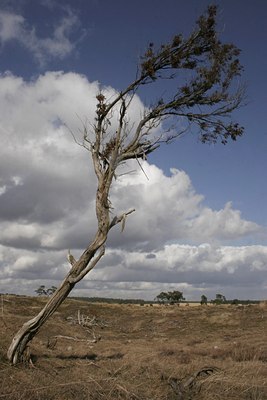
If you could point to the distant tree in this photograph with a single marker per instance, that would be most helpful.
(200, 100)
(51, 290)
(220, 299)
(41, 291)
(235, 301)
(204, 300)
(170, 297)
(176, 297)
(162, 297)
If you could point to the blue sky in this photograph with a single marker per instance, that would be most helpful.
(209, 236)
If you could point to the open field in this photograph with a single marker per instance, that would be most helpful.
(134, 352)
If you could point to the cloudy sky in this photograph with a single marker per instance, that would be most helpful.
(200, 220)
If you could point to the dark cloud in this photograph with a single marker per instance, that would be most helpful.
(151, 255)
(32, 243)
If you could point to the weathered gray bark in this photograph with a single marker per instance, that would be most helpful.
(20, 341)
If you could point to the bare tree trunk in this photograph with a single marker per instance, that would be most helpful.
(20, 341)
(16, 352)
(87, 261)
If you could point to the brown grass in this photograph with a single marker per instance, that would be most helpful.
(144, 352)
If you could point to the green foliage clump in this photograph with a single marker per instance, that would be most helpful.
(170, 297)
(204, 300)
(220, 299)
(42, 291)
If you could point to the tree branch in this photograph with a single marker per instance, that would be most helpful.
(116, 220)
(89, 267)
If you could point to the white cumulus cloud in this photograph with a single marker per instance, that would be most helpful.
(47, 190)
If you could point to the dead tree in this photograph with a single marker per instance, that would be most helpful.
(203, 95)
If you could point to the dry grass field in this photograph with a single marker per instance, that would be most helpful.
(137, 352)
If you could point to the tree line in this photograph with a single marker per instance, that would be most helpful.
(170, 297)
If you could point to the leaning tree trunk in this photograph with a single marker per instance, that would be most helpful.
(17, 350)
(87, 261)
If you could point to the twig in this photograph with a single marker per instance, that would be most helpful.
(76, 339)
(127, 392)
